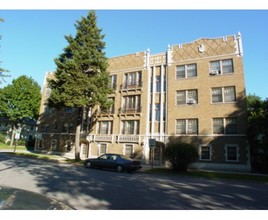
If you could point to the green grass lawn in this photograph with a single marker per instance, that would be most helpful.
(7, 147)
(34, 154)
(160, 171)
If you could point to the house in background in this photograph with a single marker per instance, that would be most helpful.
(193, 92)
(27, 131)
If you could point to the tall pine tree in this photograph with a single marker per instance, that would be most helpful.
(81, 78)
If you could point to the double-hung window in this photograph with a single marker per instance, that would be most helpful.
(220, 67)
(113, 79)
(225, 125)
(129, 150)
(130, 127)
(102, 149)
(205, 152)
(231, 125)
(68, 127)
(186, 71)
(186, 97)
(231, 153)
(132, 80)
(218, 126)
(187, 126)
(105, 127)
(131, 103)
(223, 94)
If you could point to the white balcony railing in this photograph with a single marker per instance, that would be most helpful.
(112, 138)
(100, 137)
(129, 138)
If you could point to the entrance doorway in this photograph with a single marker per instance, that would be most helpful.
(157, 153)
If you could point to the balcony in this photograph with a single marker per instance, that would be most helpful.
(100, 138)
(109, 112)
(129, 110)
(128, 138)
(131, 86)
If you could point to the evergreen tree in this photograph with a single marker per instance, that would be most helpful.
(19, 101)
(81, 78)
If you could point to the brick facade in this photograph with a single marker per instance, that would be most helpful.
(193, 92)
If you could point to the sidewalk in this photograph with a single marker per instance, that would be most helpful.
(145, 167)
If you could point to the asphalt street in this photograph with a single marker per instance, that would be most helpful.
(93, 189)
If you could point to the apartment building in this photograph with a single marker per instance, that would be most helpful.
(192, 92)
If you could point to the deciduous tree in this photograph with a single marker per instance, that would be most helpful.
(258, 131)
(19, 101)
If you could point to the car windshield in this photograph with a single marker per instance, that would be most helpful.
(125, 157)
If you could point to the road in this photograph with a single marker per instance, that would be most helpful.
(93, 189)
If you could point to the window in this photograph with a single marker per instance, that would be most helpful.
(129, 150)
(48, 92)
(131, 104)
(69, 110)
(227, 66)
(55, 125)
(224, 125)
(231, 153)
(157, 112)
(157, 84)
(216, 95)
(181, 126)
(192, 126)
(47, 109)
(68, 145)
(221, 67)
(231, 125)
(205, 152)
(186, 71)
(186, 97)
(218, 127)
(187, 126)
(223, 94)
(105, 127)
(54, 144)
(130, 127)
(102, 149)
(113, 79)
(229, 94)
(132, 79)
(107, 111)
(68, 127)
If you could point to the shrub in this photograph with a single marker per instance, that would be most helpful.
(2, 138)
(180, 155)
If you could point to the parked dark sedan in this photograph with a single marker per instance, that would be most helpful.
(117, 162)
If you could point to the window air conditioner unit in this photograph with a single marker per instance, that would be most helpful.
(191, 101)
(214, 72)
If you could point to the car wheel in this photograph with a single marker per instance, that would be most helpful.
(88, 164)
(119, 168)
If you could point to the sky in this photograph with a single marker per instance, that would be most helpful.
(32, 39)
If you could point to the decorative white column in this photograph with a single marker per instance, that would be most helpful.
(239, 44)
(146, 149)
(153, 100)
(162, 102)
